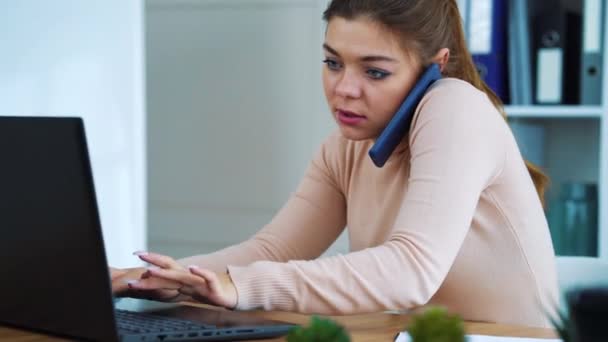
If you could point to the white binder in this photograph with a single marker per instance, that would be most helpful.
(549, 75)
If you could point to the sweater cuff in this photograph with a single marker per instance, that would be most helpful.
(263, 285)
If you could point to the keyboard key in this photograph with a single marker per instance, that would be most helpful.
(138, 322)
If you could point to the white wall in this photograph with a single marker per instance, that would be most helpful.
(85, 58)
(236, 112)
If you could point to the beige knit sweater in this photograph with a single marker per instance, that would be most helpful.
(453, 218)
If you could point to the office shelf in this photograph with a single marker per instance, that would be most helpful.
(554, 111)
(570, 142)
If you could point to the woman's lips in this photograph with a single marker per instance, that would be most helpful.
(349, 118)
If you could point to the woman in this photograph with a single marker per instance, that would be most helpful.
(453, 218)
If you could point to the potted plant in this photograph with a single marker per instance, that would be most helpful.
(435, 324)
(319, 330)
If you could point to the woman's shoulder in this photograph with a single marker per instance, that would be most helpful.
(456, 87)
(455, 109)
(458, 98)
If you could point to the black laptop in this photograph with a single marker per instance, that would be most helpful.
(53, 270)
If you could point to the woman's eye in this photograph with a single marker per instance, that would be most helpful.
(377, 74)
(331, 64)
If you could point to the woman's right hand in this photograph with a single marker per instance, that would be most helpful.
(121, 276)
(120, 286)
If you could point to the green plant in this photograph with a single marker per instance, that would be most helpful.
(435, 324)
(319, 330)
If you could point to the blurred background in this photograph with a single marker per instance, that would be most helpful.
(202, 115)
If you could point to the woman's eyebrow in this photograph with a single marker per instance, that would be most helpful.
(371, 58)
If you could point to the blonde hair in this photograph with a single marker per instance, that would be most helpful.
(426, 26)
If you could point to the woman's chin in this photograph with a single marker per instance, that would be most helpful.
(351, 133)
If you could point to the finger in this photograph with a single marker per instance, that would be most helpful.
(210, 277)
(120, 284)
(119, 287)
(147, 273)
(180, 276)
(159, 260)
(216, 294)
(187, 284)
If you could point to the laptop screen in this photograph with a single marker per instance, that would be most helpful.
(52, 259)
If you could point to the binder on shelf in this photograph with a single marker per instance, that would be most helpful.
(592, 52)
(486, 38)
(556, 47)
(520, 65)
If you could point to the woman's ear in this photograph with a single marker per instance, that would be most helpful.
(442, 57)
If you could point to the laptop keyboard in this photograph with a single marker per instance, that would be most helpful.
(130, 322)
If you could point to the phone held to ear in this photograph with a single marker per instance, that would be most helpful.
(399, 125)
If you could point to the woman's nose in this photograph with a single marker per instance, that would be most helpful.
(348, 85)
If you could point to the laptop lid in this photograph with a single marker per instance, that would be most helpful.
(52, 260)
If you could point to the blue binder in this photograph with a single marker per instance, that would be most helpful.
(486, 26)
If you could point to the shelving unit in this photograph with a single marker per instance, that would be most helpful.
(554, 111)
(569, 143)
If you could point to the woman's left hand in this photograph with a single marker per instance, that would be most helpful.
(201, 284)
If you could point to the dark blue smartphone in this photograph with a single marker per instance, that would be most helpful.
(399, 125)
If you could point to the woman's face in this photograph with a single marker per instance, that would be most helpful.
(366, 77)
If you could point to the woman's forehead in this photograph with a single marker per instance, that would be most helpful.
(362, 37)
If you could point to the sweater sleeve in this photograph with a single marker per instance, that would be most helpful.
(303, 229)
(456, 150)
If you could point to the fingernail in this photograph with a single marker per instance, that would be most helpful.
(140, 253)
(193, 266)
(132, 282)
